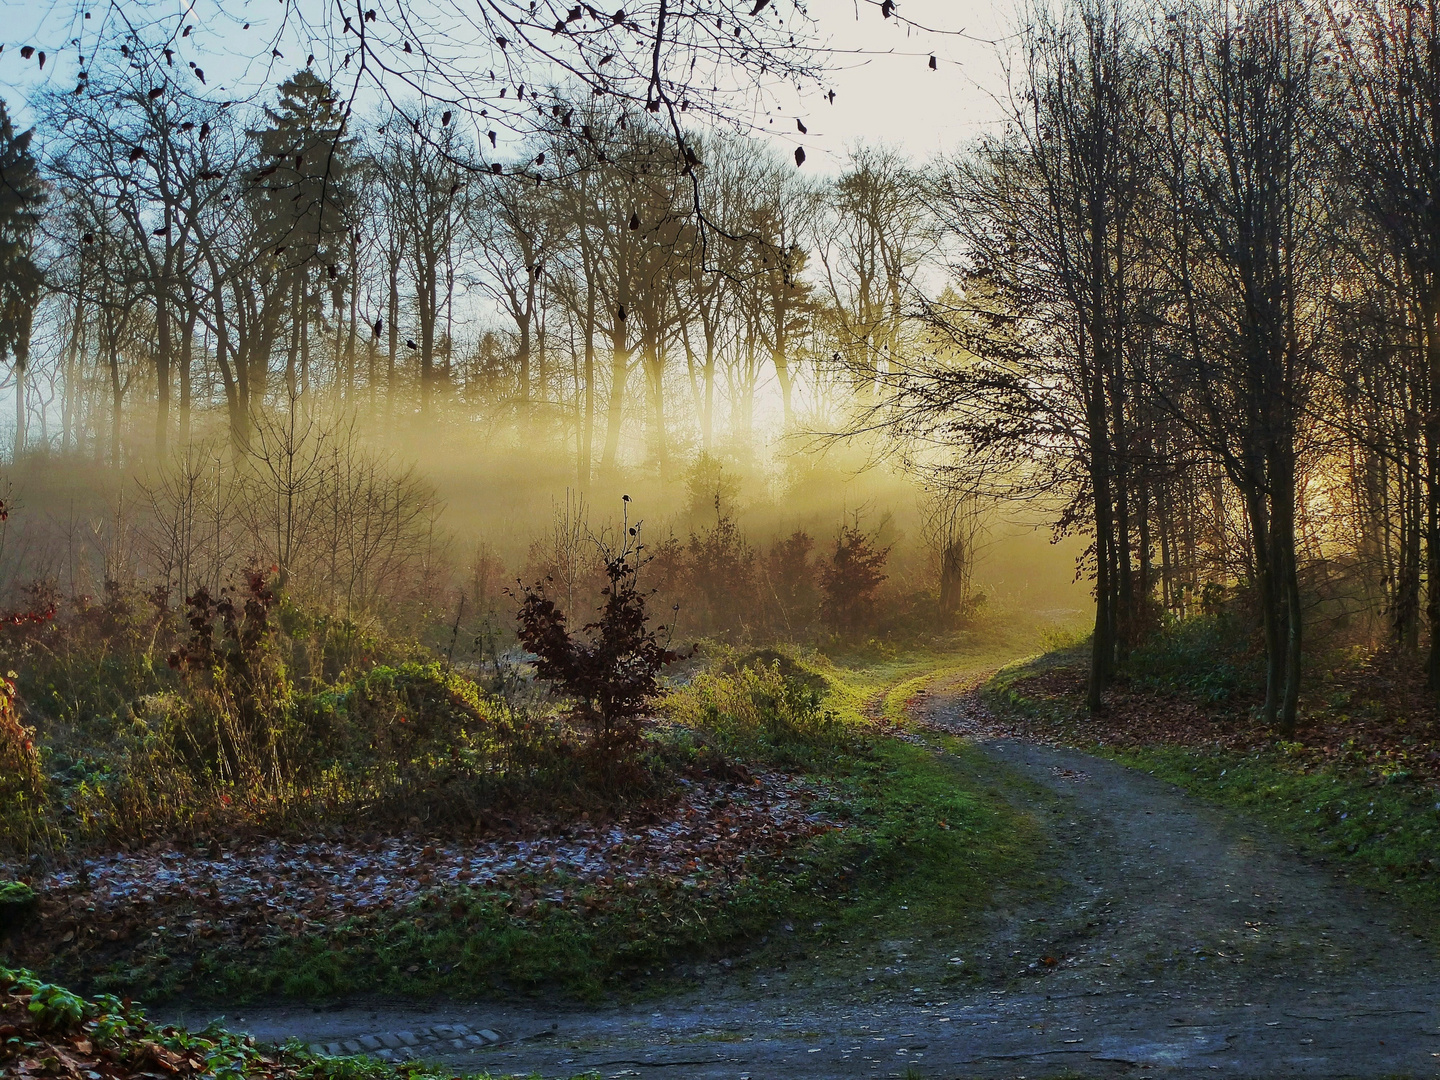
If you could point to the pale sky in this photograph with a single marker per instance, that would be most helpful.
(885, 90)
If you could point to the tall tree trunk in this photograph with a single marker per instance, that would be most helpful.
(1432, 493)
(1286, 563)
(1269, 594)
(615, 407)
(1102, 653)
(587, 420)
(21, 404)
(392, 342)
(292, 355)
(187, 357)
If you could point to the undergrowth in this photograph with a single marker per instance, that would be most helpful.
(51, 1031)
(922, 842)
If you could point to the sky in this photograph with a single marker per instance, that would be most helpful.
(879, 68)
(885, 89)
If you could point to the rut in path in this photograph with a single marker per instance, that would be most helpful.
(1186, 941)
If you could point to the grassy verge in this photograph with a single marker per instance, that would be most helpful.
(927, 842)
(1383, 836)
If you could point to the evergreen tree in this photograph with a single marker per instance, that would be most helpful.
(21, 195)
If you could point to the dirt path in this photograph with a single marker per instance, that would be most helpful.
(1182, 942)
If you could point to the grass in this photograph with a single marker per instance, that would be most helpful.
(935, 848)
(1383, 836)
(928, 846)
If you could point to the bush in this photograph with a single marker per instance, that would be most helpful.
(1207, 656)
(721, 573)
(791, 579)
(23, 793)
(850, 582)
(425, 741)
(760, 712)
(610, 671)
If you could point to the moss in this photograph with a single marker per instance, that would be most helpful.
(18, 904)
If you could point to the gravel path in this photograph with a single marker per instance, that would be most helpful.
(1182, 942)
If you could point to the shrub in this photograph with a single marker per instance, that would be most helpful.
(1207, 656)
(721, 574)
(790, 575)
(238, 698)
(24, 803)
(610, 671)
(422, 740)
(760, 712)
(850, 582)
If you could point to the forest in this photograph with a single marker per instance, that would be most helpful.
(490, 525)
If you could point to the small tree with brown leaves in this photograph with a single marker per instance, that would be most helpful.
(610, 669)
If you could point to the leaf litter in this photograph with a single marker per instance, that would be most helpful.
(711, 838)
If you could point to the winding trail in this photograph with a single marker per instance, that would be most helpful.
(1184, 943)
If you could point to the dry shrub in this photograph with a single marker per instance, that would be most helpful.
(24, 801)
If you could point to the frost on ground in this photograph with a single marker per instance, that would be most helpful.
(710, 838)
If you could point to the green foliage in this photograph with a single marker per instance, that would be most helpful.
(759, 712)
(55, 1007)
(18, 903)
(124, 1042)
(1207, 657)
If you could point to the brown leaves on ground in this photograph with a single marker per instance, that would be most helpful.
(184, 899)
(1370, 711)
(112, 1040)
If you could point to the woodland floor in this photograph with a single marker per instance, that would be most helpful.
(1177, 939)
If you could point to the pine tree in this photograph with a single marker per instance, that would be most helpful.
(21, 195)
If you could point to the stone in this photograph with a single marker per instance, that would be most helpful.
(407, 1037)
(475, 1040)
(458, 1044)
(390, 1042)
(444, 1031)
(461, 1029)
(333, 1049)
(386, 1055)
(488, 1035)
(351, 1046)
(370, 1042)
(316, 1048)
